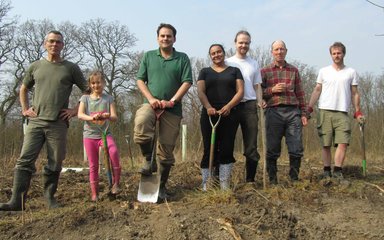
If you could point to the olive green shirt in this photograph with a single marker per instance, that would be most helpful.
(53, 85)
(165, 76)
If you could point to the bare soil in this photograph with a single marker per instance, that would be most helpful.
(308, 209)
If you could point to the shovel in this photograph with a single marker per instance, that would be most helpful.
(149, 185)
(212, 149)
(106, 161)
(364, 162)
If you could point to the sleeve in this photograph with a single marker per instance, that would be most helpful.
(83, 99)
(78, 77)
(267, 91)
(257, 78)
(28, 79)
(238, 74)
(142, 73)
(320, 77)
(202, 74)
(355, 78)
(187, 70)
(300, 95)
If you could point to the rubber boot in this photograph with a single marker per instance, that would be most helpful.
(164, 171)
(250, 170)
(294, 168)
(225, 176)
(94, 191)
(21, 182)
(51, 180)
(116, 181)
(204, 176)
(272, 171)
(148, 168)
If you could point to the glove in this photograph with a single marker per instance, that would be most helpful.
(167, 104)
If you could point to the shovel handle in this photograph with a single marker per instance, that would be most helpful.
(364, 161)
(213, 142)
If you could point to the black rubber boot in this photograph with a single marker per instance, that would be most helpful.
(250, 170)
(51, 180)
(148, 168)
(164, 171)
(272, 171)
(21, 182)
(294, 168)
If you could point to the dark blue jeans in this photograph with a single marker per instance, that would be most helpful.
(284, 121)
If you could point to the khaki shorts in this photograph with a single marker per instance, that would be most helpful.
(333, 127)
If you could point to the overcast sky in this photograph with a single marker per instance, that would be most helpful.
(308, 27)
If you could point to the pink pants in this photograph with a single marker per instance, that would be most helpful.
(92, 150)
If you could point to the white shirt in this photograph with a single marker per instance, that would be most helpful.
(336, 90)
(251, 73)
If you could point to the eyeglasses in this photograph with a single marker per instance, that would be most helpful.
(52, 41)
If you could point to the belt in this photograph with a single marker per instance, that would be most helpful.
(284, 106)
(247, 101)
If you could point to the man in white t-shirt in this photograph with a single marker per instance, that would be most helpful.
(250, 70)
(336, 89)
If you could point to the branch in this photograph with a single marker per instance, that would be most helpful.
(375, 4)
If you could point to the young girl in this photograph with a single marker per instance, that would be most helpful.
(96, 110)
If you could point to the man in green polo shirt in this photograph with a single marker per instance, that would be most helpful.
(164, 77)
(47, 117)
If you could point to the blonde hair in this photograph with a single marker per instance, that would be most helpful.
(94, 74)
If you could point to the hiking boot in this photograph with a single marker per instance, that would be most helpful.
(338, 175)
(326, 175)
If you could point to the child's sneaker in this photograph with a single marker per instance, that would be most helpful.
(115, 189)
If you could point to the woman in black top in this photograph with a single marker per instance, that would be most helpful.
(220, 89)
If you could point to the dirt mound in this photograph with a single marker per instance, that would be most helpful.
(308, 209)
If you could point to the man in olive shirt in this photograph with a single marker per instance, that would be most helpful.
(164, 77)
(47, 119)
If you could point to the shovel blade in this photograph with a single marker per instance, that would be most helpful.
(149, 188)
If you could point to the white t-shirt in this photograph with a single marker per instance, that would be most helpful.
(251, 73)
(336, 88)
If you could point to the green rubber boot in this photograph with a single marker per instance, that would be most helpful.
(51, 180)
(21, 182)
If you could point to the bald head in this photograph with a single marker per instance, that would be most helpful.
(278, 43)
(279, 51)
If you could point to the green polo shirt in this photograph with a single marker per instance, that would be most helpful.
(53, 85)
(165, 76)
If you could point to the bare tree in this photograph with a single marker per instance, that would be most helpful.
(108, 46)
(7, 44)
(7, 30)
(379, 6)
